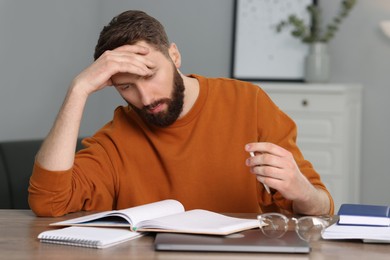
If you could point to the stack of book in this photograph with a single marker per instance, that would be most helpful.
(370, 223)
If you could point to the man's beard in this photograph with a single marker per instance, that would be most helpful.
(174, 104)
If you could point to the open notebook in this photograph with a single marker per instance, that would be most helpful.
(165, 216)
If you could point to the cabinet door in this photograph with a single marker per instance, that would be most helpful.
(323, 118)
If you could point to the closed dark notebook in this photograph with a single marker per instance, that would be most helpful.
(362, 214)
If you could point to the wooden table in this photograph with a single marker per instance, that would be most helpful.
(19, 230)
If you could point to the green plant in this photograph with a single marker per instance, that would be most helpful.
(312, 32)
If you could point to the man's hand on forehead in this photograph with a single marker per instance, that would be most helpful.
(134, 59)
(127, 59)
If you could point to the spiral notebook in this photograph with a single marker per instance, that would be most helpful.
(93, 237)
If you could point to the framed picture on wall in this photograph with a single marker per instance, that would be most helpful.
(260, 53)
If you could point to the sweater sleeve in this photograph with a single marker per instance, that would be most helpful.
(88, 185)
(45, 187)
(276, 127)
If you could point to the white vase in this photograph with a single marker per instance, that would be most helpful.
(317, 63)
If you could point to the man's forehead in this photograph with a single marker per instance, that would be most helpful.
(123, 78)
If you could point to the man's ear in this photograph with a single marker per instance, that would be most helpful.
(175, 55)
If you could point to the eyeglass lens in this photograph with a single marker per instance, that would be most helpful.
(310, 228)
(273, 225)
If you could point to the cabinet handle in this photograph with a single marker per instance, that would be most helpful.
(305, 102)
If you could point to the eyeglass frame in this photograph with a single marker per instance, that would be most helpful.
(324, 222)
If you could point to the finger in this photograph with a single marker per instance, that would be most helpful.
(266, 171)
(126, 57)
(113, 63)
(135, 51)
(135, 64)
(270, 182)
(134, 48)
(266, 159)
(266, 147)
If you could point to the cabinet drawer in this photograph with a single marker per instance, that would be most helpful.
(326, 159)
(308, 102)
(319, 128)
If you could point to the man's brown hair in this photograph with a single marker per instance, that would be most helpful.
(130, 27)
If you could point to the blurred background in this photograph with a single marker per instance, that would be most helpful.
(44, 44)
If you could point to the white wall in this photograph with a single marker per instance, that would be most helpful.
(45, 43)
(361, 53)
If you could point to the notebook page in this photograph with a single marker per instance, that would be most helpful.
(131, 215)
(153, 210)
(199, 221)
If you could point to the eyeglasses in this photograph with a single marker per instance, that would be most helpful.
(275, 225)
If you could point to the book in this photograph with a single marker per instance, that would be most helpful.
(93, 237)
(165, 216)
(369, 234)
(361, 214)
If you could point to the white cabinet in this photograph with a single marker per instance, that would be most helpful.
(328, 117)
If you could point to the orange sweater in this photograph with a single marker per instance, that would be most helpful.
(199, 160)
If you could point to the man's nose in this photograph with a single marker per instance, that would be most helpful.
(146, 94)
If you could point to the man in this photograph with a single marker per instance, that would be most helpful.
(184, 137)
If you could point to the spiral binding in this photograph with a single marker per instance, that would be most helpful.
(71, 241)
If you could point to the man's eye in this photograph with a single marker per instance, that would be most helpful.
(124, 87)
